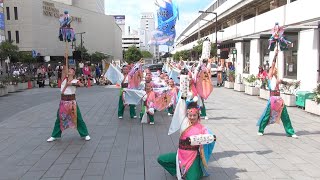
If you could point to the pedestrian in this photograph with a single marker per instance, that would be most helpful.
(276, 109)
(69, 115)
(81, 65)
(121, 104)
(262, 75)
(195, 147)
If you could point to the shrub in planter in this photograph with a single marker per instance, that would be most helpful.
(251, 80)
(231, 75)
(288, 92)
(316, 98)
(3, 89)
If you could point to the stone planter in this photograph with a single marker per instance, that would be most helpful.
(33, 84)
(20, 86)
(12, 88)
(229, 85)
(25, 85)
(252, 91)
(3, 91)
(312, 107)
(239, 87)
(264, 94)
(289, 99)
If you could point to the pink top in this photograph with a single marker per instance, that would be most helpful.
(187, 157)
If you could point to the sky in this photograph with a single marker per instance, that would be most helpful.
(132, 9)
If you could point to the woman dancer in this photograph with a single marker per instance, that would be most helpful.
(195, 147)
(276, 109)
(69, 115)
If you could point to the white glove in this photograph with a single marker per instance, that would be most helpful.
(151, 110)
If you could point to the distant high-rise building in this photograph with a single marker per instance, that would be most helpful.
(147, 25)
(121, 21)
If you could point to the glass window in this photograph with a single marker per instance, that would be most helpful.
(15, 13)
(290, 58)
(9, 36)
(246, 57)
(264, 53)
(17, 37)
(8, 13)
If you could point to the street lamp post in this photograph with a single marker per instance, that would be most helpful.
(215, 27)
(81, 43)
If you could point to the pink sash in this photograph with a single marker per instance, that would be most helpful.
(203, 83)
(277, 105)
(68, 114)
(162, 101)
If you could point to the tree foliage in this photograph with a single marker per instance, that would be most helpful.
(98, 57)
(133, 54)
(7, 49)
(84, 53)
(185, 54)
(146, 54)
(26, 57)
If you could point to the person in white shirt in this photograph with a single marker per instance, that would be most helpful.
(69, 115)
(81, 65)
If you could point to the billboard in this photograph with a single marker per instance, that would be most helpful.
(1, 21)
(120, 19)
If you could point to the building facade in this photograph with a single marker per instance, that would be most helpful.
(34, 25)
(2, 37)
(245, 25)
(92, 5)
(147, 26)
(130, 40)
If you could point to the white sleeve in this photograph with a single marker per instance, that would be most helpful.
(202, 139)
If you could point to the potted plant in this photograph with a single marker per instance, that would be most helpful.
(251, 86)
(231, 77)
(288, 92)
(313, 106)
(264, 90)
(238, 85)
(53, 83)
(12, 84)
(3, 89)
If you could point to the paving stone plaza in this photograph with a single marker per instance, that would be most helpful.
(125, 149)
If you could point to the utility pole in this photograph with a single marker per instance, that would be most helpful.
(81, 42)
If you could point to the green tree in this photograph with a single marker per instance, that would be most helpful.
(198, 49)
(133, 54)
(8, 50)
(185, 54)
(98, 57)
(146, 54)
(26, 57)
(84, 53)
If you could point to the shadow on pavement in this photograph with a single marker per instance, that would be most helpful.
(224, 154)
(222, 118)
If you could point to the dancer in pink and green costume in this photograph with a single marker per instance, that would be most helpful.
(196, 143)
(276, 109)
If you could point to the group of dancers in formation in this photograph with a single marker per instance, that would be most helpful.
(180, 91)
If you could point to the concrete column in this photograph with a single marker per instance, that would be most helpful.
(239, 58)
(308, 59)
(254, 56)
(288, 1)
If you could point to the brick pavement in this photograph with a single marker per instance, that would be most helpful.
(124, 149)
